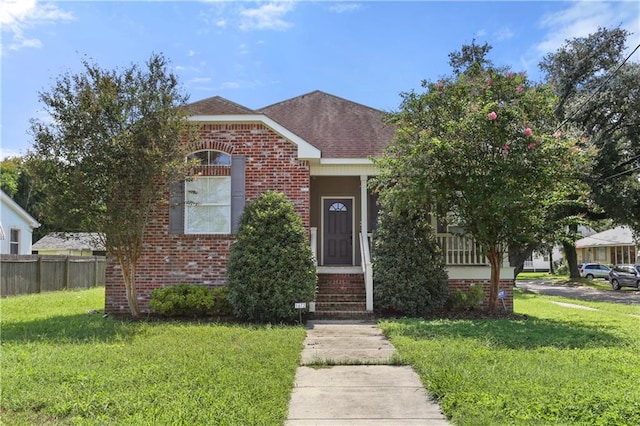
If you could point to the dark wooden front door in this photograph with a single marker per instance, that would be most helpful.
(338, 231)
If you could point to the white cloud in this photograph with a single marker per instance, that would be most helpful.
(268, 16)
(345, 7)
(10, 152)
(503, 34)
(199, 80)
(584, 18)
(17, 16)
(231, 85)
(192, 52)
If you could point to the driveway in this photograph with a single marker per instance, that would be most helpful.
(627, 296)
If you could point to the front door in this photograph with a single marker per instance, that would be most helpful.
(338, 231)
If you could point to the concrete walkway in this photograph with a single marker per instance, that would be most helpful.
(363, 390)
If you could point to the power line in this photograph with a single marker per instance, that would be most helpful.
(598, 89)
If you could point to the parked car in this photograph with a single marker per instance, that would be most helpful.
(625, 276)
(594, 270)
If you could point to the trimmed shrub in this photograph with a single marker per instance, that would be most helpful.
(408, 267)
(271, 265)
(221, 304)
(182, 300)
(467, 301)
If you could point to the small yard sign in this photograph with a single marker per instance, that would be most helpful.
(300, 305)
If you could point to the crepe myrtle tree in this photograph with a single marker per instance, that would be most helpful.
(113, 142)
(481, 146)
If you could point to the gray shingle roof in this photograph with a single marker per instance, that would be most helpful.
(620, 236)
(70, 241)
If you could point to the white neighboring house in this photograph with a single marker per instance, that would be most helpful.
(539, 262)
(16, 227)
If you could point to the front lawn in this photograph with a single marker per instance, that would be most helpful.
(61, 365)
(569, 362)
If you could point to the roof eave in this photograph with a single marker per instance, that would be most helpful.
(305, 149)
(19, 210)
(345, 161)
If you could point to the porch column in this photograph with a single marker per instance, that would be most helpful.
(364, 229)
(364, 206)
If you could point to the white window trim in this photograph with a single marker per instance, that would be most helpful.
(227, 204)
(13, 242)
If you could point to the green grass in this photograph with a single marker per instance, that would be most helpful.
(61, 365)
(563, 365)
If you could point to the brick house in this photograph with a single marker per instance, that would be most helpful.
(314, 148)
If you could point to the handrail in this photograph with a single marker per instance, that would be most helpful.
(367, 269)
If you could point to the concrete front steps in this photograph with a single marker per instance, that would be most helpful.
(341, 296)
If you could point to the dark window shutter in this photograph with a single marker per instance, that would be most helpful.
(176, 208)
(238, 165)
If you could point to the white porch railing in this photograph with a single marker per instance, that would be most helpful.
(367, 269)
(460, 250)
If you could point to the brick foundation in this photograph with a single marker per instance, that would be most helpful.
(506, 285)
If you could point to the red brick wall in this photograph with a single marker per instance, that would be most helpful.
(507, 285)
(271, 164)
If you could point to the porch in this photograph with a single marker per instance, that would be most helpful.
(343, 216)
(347, 291)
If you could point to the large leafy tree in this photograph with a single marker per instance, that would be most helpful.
(599, 94)
(9, 174)
(481, 146)
(106, 155)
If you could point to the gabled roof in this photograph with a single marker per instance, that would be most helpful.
(338, 127)
(217, 105)
(70, 241)
(218, 109)
(620, 236)
(6, 200)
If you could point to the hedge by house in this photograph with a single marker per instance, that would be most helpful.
(271, 264)
(409, 272)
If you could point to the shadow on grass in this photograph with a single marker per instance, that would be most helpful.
(530, 333)
(71, 329)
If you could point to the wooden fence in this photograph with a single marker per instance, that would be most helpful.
(24, 274)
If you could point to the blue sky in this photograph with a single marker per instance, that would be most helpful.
(260, 53)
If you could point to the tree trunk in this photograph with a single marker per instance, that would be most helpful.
(551, 269)
(495, 260)
(571, 254)
(128, 267)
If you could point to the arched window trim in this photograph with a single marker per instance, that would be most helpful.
(208, 161)
(338, 207)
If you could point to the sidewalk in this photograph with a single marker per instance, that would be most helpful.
(351, 394)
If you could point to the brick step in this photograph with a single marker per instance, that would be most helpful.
(341, 278)
(340, 306)
(341, 289)
(340, 297)
(354, 315)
